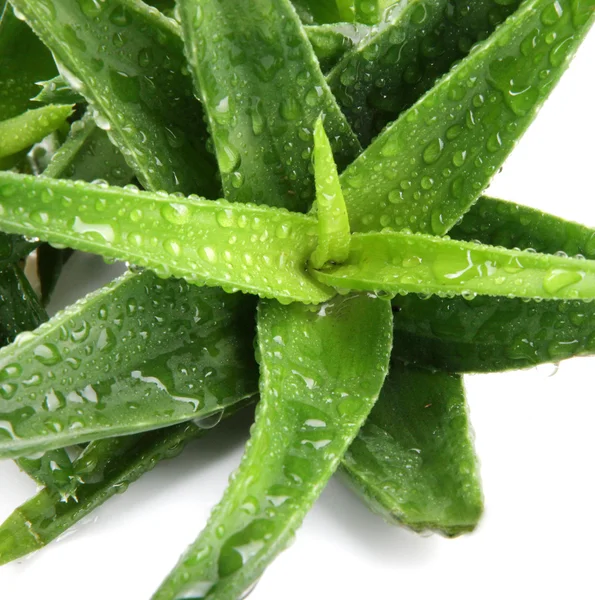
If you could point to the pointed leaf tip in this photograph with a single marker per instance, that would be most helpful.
(333, 222)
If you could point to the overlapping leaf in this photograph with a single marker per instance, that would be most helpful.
(127, 61)
(263, 138)
(24, 60)
(316, 390)
(426, 169)
(494, 334)
(419, 41)
(130, 357)
(413, 460)
(105, 468)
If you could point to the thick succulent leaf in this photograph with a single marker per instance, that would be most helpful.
(19, 307)
(429, 166)
(20, 311)
(501, 223)
(323, 11)
(413, 461)
(117, 362)
(87, 154)
(24, 60)
(13, 248)
(263, 138)
(401, 263)
(491, 334)
(50, 262)
(138, 88)
(58, 91)
(494, 334)
(267, 537)
(333, 223)
(105, 468)
(164, 6)
(330, 42)
(372, 12)
(316, 390)
(53, 471)
(21, 132)
(402, 59)
(255, 249)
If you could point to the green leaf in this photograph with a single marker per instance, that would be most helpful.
(402, 263)
(333, 222)
(19, 307)
(50, 262)
(164, 6)
(371, 12)
(401, 60)
(316, 390)
(322, 11)
(252, 248)
(137, 86)
(87, 154)
(13, 248)
(24, 60)
(20, 311)
(413, 460)
(267, 536)
(19, 133)
(104, 469)
(495, 334)
(263, 138)
(58, 91)
(426, 169)
(136, 355)
(330, 42)
(52, 470)
(502, 223)
(491, 334)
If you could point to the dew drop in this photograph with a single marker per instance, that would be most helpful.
(47, 354)
(559, 279)
(433, 151)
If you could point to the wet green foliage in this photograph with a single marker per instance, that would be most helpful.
(189, 140)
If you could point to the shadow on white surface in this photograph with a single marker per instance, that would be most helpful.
(385, 544)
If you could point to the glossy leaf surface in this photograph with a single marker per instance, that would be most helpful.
(494, 334)
(135, 355)
(105, 468)
(20, 311)
(413, 460)
(127, 60)
(330, 42)
(403, 263)
(263, 138)
(321, 11)
(333, 222)
(255, 249)
(21, 132)
(24, 60)
(19, 307)
(87, 154)
(401, 60)
(57, 91)
(429, 166)
(13, 248)
(333, 241)
(316, 390)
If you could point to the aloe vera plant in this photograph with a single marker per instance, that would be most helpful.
(222, 113)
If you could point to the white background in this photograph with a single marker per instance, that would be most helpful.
(534, 436)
